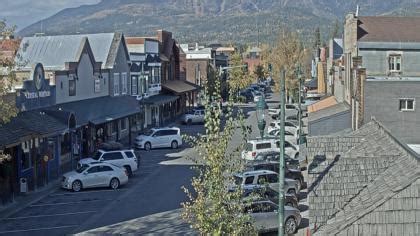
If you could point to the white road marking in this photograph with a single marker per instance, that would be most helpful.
(37, 229)
(68, 203)
(96, 191)
(39, 216)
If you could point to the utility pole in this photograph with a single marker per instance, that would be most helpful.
(281, 170)
(299, 76)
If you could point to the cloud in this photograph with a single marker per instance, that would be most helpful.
(25, 12)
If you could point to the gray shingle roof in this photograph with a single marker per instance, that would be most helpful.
(351, 193)
(54, 51)
(29, 124)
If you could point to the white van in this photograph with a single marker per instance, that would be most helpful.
(256, 146)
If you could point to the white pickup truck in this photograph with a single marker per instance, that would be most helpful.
(195, 116)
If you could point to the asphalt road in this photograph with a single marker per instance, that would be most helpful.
(154, 188)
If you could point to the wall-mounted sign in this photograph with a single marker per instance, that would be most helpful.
(36, 91)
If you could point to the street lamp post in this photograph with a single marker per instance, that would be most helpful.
(281, 163)
(299, 76)
(261, 116)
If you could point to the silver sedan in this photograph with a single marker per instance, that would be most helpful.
(95, 174)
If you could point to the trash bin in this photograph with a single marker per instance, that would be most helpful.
(23, 185)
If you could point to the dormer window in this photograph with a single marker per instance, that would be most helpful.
(395, 63)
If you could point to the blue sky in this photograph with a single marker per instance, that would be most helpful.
(25, 12)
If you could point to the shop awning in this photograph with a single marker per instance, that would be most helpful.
(159, 99)
(30, 124)
(101, 110)
(179, 86)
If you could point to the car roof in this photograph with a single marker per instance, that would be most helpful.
(257, 172)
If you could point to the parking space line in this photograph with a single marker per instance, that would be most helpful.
(40, 216)
(68, 203)
(95, 191)
(36, 229)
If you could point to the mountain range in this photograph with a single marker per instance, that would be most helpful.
(214, 21)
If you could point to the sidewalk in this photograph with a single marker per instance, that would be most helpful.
(23, 200)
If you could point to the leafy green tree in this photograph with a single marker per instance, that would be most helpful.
(238, 77)
(7, 78)
(212, 209)
(287, 53)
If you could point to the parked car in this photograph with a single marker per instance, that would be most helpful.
(159, 137)
(295, 174)
(267, 178)
(257, 95)
(95, 174)
(255, 146)
(289, 136)
(275, 111)
(247, 94)
(291, 163)
(193, 117)
(288, 126)
(122, 158)
(264, 214)
(270, 194)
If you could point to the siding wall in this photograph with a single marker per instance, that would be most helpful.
(85, 84)
(120, 66)
(382, 102)
(330, 125)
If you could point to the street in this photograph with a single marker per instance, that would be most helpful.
(154, 190)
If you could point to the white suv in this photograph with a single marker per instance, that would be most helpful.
(160, 137)
(254, 147)
(122, 158)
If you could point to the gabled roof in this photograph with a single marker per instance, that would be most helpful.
(54, 51)
(388, 29)
(352, 195)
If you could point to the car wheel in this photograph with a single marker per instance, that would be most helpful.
(299, 184)
(174, 145)
(290, 227)
(147, 146)
(297, 155)
(76, 186)
(114, 183)
(189, 122)
(129, 171)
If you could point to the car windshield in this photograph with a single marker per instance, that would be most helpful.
(97, 155)
(82, 168)
(238, 180)
(248, 147)
(148, 132)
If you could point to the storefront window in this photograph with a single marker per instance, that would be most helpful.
(124, 124)
(25, 161)
(65, 144)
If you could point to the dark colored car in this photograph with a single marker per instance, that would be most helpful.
(249, 97)
(272, 195)
(275, 166)
(275, 156)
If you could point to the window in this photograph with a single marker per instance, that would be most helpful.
(25, 161)
(263, 145)
(124, 124)
(105, 168)
(262, 179)
(72, 87)
(395, 63)
(65, 144)
(156, 75)
(407, 104)
(249, 180)
(124, 83)
(129, 154)
(116, 84)
(272, 178)
(112, 156)
(97, 85)
(158, 134)
(134, 85)
(94, 169)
